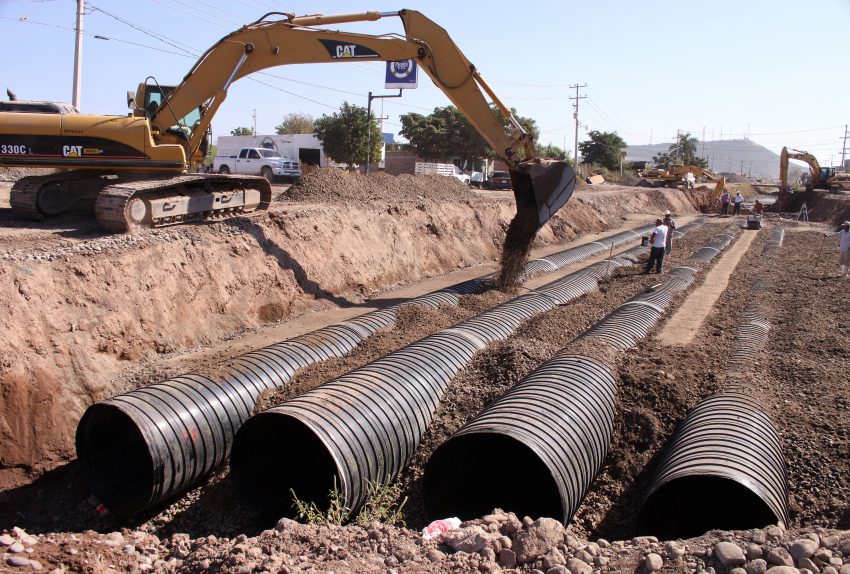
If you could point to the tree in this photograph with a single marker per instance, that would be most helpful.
(550, 151)
(603, 148)
(444, 135)
(683, 152)
(295, 123)
(344, 135)
(242, 132)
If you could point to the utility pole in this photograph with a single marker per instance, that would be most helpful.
(575, 116)
(369, 123)
(254, 115)
(678, 147)
(844, 150)
(742, 167)
(78, 55)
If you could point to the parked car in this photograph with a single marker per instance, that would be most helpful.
(500, 180)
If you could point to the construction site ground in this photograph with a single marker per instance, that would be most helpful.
(88, 315)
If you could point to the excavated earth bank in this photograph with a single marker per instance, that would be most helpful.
(800, 377)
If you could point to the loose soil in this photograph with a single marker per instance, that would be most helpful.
(93, 319)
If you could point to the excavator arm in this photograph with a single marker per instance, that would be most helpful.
(541, 186)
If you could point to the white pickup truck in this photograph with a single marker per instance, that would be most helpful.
(421, 167)
(258, 161)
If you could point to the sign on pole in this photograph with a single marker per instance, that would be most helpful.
(401, 75)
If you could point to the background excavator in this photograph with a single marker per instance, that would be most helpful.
(134, 170)
(673, 175)
(819, 177)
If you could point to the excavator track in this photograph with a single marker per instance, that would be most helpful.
(30, 197)
(160, 202)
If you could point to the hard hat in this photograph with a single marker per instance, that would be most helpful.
(845, 224)
(667, 212)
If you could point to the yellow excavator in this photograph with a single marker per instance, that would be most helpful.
(672, 176)
(820, 177)
(135, 170)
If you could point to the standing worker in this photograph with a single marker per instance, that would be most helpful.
(657, 241)
(739, 201)
(724, 204)
(671, 225)
(690, 180)
(844, 255)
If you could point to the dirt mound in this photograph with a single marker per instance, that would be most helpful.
(12, 174)
(333, 185)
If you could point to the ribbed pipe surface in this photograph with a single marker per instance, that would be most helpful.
(777, 237)
(536, 450)
(364, 426)
(751, 337)
(723, 469)
(142, 447)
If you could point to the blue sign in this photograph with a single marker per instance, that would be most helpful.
(401, 75)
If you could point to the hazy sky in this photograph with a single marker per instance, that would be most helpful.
(773, 70)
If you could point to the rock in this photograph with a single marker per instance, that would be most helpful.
(803, 548)
(757, 566)
(779, 557)
(25, 538)
(737, 570)
(845, 569)
(506, 542)
(807, 564)
(434, 555)
(844, 546)
(6, 540)
(285, 524)
(829, 541)
(488, 554)
(559, 569)
(823, 555)
(828, 570)
(584, 556)
(537, 539)
(553, 558)
(759, 537)
(592, 548)
(603, 543)
(753, 551)
(17, 561)
(782, 570)
(576, 566)
(468, 539)
(507, 557)
(729, 554)
(674, 549)
(36, 565)
(653, 562)
(645, 540)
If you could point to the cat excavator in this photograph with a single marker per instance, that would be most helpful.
(135, 171)
(819, 178)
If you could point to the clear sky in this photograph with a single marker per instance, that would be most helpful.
(775, 71)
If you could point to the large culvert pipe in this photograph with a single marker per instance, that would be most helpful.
(723, 469)
(142, 447)
(536, 450)
(364, 426)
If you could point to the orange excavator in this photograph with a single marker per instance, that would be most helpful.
(136, 170)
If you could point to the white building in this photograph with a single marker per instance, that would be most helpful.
(306, 148)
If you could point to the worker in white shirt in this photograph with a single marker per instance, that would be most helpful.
(844, 248)
(657, 241)
(739, 201)
(670, 223)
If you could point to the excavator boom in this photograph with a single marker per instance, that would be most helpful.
(168, 132)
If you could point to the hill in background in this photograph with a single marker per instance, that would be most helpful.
(722, 156)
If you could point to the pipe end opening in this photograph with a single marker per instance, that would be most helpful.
(691, 506)
(115, 459)
(274, 455)
(472, 474)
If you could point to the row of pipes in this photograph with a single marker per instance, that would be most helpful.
(146, 446)
(535, 450)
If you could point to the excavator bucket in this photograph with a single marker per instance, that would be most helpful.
(541, 188)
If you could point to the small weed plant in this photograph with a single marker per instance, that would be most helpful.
(384, 503)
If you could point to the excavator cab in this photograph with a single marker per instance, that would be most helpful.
(541, 188)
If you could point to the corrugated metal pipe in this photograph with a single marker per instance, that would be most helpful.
(723, 469)
(142, 447)
(363, 427)
(536, 450)
(775, 242)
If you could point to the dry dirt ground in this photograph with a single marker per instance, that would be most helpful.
(130, 331)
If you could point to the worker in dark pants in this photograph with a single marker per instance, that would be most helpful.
(657, 242)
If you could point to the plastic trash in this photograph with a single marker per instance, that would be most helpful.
(440, 526)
